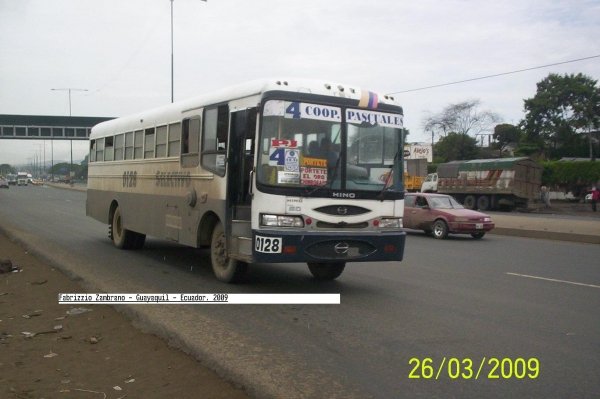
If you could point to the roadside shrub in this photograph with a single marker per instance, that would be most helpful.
(576, 177)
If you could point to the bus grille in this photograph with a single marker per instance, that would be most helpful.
(340, 249)
(342, 210)
(342, 225)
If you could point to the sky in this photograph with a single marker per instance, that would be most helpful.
(119, 51)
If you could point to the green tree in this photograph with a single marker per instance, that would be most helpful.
(455, 146)
(506, 134)
(563, 108)
(64, 168)
(83, 170)
(6, 169)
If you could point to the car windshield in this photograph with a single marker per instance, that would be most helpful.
(303, 146)
(444, 203)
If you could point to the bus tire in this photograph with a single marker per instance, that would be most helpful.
(121, 237)
(225, 269)
(326, 271)
(138, 241)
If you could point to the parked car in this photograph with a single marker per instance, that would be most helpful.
(441, 214)
(4, 183)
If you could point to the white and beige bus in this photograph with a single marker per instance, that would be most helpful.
(267, 172)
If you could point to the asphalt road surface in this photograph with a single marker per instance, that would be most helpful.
(497, 317)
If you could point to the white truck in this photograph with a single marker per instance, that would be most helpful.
(488, 183)
(22, 179)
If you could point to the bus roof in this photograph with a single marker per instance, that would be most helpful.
(172, 112)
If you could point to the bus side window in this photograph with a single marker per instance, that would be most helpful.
(190, 138)
(161, 142)
(119, 146)
(214, 139)
(92, 150)
(100, 150)
(109, 148)
(129, 145)
(174, 139)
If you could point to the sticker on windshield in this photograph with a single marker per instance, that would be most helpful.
(313, 176)
(359, 116)
(292, 161)
(284, 143)
(298, 110)
(284, 177)
(313, 171)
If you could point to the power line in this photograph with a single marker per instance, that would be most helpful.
(495, 75)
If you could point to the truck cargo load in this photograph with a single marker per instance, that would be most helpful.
(488, 183)
(415, 171)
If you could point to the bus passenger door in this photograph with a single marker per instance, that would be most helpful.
(241, 156)
(240, 161)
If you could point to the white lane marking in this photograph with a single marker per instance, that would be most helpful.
(555, 280)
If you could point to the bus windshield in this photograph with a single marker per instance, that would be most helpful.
(310, 146)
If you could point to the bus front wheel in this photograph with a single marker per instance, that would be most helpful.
(225, 269)
(326, 271)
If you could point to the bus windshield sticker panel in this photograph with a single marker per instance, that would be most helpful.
(314, 171)
(360, 116)
(299, 110)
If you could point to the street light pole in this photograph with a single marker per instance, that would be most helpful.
(172, 78)
(69, 89)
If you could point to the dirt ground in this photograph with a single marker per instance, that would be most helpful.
(45, 352)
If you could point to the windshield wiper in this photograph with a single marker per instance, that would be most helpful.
(386, 187)
(334, 171)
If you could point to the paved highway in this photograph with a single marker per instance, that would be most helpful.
(462, 299)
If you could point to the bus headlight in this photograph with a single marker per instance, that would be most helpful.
(281, 221)
(386, 223)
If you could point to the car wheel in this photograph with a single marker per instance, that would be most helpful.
(440, 229)
(225, 269)
(469, 202)
(478, 236)
(326, 271)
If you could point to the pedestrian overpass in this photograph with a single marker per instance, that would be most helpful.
(42, 127)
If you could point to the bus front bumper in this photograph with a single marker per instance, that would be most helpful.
(277, 246)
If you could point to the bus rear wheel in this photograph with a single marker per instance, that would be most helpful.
(225, 269)
(326, 271)
(123, 238)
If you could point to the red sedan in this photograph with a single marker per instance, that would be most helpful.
(440, 214)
